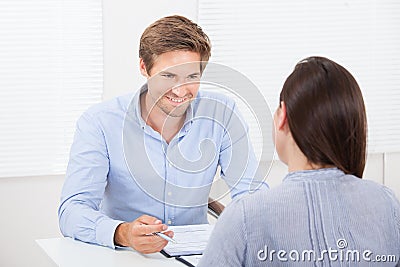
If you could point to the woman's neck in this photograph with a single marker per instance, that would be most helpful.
(297, 161)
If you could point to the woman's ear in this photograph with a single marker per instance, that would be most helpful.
(282, 118)
(143, 69)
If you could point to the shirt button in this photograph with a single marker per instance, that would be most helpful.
(169, 164)
(169, 193)
(169, 222)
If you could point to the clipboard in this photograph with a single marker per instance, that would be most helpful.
(190, 240)
(190, 261)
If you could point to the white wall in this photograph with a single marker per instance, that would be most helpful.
(28, 208)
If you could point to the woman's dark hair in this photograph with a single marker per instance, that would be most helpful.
(326, 114)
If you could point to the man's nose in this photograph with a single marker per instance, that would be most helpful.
(179, 90)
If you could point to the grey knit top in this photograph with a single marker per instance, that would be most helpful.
(314, 218)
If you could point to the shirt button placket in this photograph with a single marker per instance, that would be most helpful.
(169, 195)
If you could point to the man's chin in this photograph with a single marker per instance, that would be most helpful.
(178, 111)
(175, 113)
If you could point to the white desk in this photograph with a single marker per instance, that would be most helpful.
(68, 252)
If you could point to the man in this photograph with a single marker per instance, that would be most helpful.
(140, 163)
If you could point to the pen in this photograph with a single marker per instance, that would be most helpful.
(165, 237)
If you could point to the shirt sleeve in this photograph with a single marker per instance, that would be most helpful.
(237, 158)
(396, 214)
(79, 212)
(227, 244)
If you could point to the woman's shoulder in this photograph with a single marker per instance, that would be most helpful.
(375, 188)
(264, 200)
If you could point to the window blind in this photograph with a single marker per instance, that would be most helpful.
(265, 39)
(51, 70)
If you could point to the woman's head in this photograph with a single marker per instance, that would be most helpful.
(325, 114)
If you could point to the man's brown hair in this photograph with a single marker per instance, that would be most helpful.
(173, 33)
(326, 114)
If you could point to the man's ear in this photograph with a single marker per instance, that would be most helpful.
(282, 118)
(143, 69)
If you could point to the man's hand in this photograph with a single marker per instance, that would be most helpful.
(139, 234)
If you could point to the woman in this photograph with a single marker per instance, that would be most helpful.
(323, 213)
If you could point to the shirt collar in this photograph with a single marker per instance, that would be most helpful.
(319, 174)
(188, 120)
(136, 106)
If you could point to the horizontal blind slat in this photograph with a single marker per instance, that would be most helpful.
(265, 39)
(51, 71)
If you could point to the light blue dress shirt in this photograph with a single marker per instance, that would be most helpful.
(314, 218)
(120, 168)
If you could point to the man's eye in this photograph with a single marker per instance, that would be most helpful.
(168, 76)
(194, 77)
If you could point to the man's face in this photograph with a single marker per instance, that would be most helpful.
(173, 81)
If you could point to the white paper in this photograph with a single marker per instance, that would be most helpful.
(190, 239)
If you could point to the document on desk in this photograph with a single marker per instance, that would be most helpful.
(190, 240)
